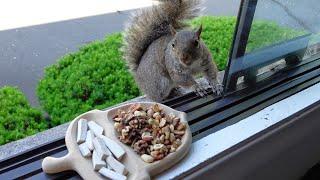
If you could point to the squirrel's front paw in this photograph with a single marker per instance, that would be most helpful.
(217, 89)
(199, 90)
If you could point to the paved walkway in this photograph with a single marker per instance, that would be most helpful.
(17, 13)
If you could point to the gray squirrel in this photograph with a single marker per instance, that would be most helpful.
(162, 56)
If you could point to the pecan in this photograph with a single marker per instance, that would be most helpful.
(156, 108)
(140, 147)
(181, 126)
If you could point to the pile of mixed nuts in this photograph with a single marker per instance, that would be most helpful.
(149, 131)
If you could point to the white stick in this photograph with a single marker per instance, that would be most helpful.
(114, 147)
(109, 167)
(85, 151)
(89, 139)
(95, 128)
(111, 174)
(101, 148)
(82, 131)
(97, 162)
(116, 165)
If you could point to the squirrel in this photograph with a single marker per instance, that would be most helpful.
(162, 56)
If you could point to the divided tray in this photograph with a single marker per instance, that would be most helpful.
(137, 168)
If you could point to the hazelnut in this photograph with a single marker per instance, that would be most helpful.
(147, 158)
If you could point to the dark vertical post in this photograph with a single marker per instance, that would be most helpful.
(240, 40)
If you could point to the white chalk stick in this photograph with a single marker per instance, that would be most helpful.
(82, 130)
(95, 128)
(85, 151)
(116, 165)
(89, 139)
(109, 167)
(111, 174)
(101, 148)
(114, 147)
(97, 162)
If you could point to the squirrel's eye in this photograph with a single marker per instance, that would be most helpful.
(172, 45)
(196, 43)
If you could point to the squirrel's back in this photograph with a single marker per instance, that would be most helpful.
(147, 25)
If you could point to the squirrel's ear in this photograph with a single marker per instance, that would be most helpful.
(198, 32)
(172, 30)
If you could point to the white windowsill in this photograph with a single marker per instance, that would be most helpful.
(219, 141)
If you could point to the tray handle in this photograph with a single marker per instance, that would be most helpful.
(55, 165)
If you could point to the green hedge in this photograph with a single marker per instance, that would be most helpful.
(93, 77)
(96, 76)
(17, 118)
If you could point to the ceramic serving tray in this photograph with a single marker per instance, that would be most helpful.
(137, 168)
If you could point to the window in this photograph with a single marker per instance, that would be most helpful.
(272, 37)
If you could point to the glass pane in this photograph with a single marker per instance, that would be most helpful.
(272, 36)
(276, 21)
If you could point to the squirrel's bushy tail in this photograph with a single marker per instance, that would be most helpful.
(148, 24)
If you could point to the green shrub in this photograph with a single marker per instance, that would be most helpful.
(93, 77)
(17, 118)
(96, 75)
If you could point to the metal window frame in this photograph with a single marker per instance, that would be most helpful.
(240, 38)
(242, 63)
